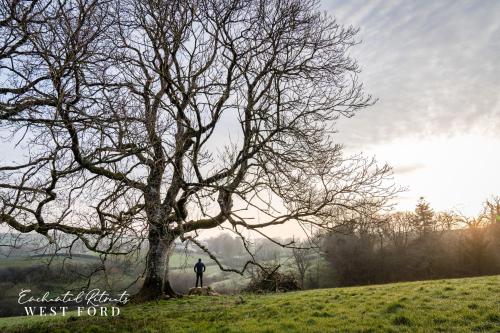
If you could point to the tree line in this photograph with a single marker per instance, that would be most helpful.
(382, 248)
(418, 245)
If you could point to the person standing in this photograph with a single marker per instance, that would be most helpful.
(199, 268)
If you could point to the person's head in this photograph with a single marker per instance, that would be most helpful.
(199, 260)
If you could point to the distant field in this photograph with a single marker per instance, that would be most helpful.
(182, 260)
(457, 305)
(45, 259)
(177, 260)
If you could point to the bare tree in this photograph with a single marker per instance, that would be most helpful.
(399, 230)
(302, 260)
(475, 244)
(146, 120)
(24, 91)
(492, 209)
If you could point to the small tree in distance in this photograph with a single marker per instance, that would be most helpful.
(302, 260)
(142, 122)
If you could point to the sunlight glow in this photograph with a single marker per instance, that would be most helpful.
(452, 173)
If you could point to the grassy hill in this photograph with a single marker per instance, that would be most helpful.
(456, 305)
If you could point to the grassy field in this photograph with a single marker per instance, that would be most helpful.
(177, 260)
(457, 305)
(44, 260)
(187, 261)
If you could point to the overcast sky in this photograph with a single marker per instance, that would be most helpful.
(434, 65)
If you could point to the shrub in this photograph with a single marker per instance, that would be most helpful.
(270, 279)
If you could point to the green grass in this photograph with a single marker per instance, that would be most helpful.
(457, 305)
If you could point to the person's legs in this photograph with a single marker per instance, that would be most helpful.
(197, 278)
(201, 280)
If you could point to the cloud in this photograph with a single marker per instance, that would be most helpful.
(408, 168)
(432, 64)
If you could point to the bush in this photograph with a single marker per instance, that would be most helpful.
(270, 279)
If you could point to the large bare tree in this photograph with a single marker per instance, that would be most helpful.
(149, 120)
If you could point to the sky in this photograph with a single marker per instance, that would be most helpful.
(434, 67)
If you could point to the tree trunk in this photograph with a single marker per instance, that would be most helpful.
(156, 284)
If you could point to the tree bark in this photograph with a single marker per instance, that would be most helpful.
(156, 284)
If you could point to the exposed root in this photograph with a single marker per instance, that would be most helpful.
(150, 293)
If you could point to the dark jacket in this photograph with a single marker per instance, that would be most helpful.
(199, 267)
